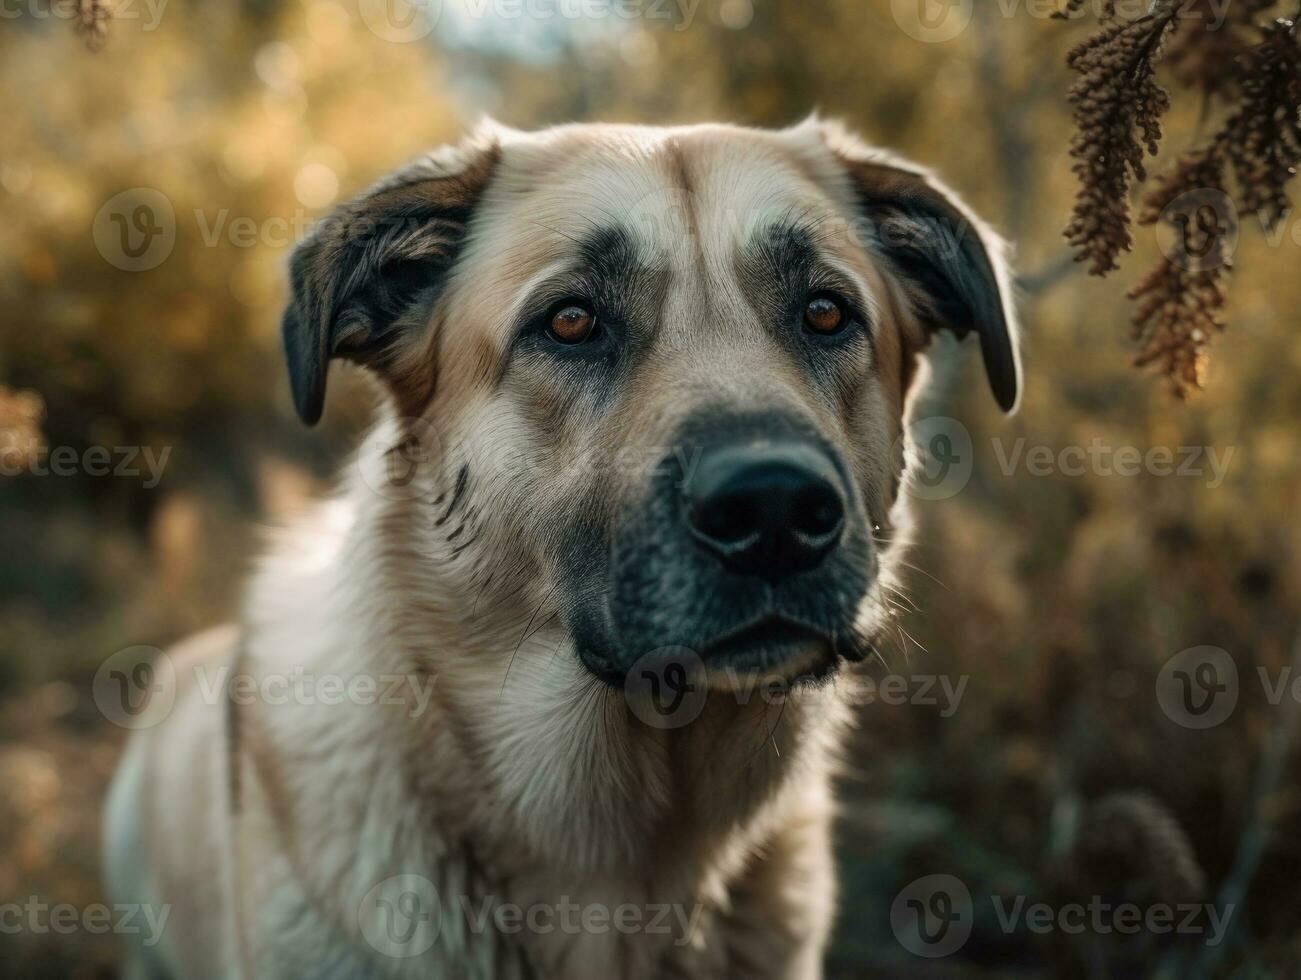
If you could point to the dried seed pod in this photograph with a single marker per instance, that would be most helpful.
(1204, 53)
(91, 21)
(1181, 300)
(1117, 104)
(1262, 139)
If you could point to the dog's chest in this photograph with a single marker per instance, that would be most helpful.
(589, 930)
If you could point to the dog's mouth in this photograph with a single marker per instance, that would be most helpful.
(769, 647)
(771, 644)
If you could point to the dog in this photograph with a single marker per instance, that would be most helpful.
(642, 446)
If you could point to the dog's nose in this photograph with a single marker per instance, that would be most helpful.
(769, 509)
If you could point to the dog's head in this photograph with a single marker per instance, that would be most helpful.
(655, 378)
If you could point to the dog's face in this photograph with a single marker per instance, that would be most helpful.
(659, 376)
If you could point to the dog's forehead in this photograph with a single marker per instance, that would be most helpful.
(680, 195)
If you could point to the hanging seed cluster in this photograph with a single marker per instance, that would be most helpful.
(1262, 138)
(1255, 70)
(91, 22)
(1181, 300)
(1117, 104)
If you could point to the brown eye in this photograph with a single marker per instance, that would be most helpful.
(824, 315)
(572, 323)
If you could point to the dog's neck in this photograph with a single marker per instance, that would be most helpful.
(514, 754)
(570, 776)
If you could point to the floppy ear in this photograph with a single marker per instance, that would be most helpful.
(365, 280)
(953, 264)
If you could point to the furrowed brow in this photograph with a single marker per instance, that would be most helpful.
(607, 267)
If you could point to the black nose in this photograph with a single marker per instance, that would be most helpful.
(767, 509)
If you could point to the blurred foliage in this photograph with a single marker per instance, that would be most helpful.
(1059, 596)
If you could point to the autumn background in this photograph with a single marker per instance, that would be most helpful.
(1060, 597)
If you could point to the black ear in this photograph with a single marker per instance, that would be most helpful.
(953, 264)
(365, 281)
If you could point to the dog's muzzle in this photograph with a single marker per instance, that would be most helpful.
(748, 546)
